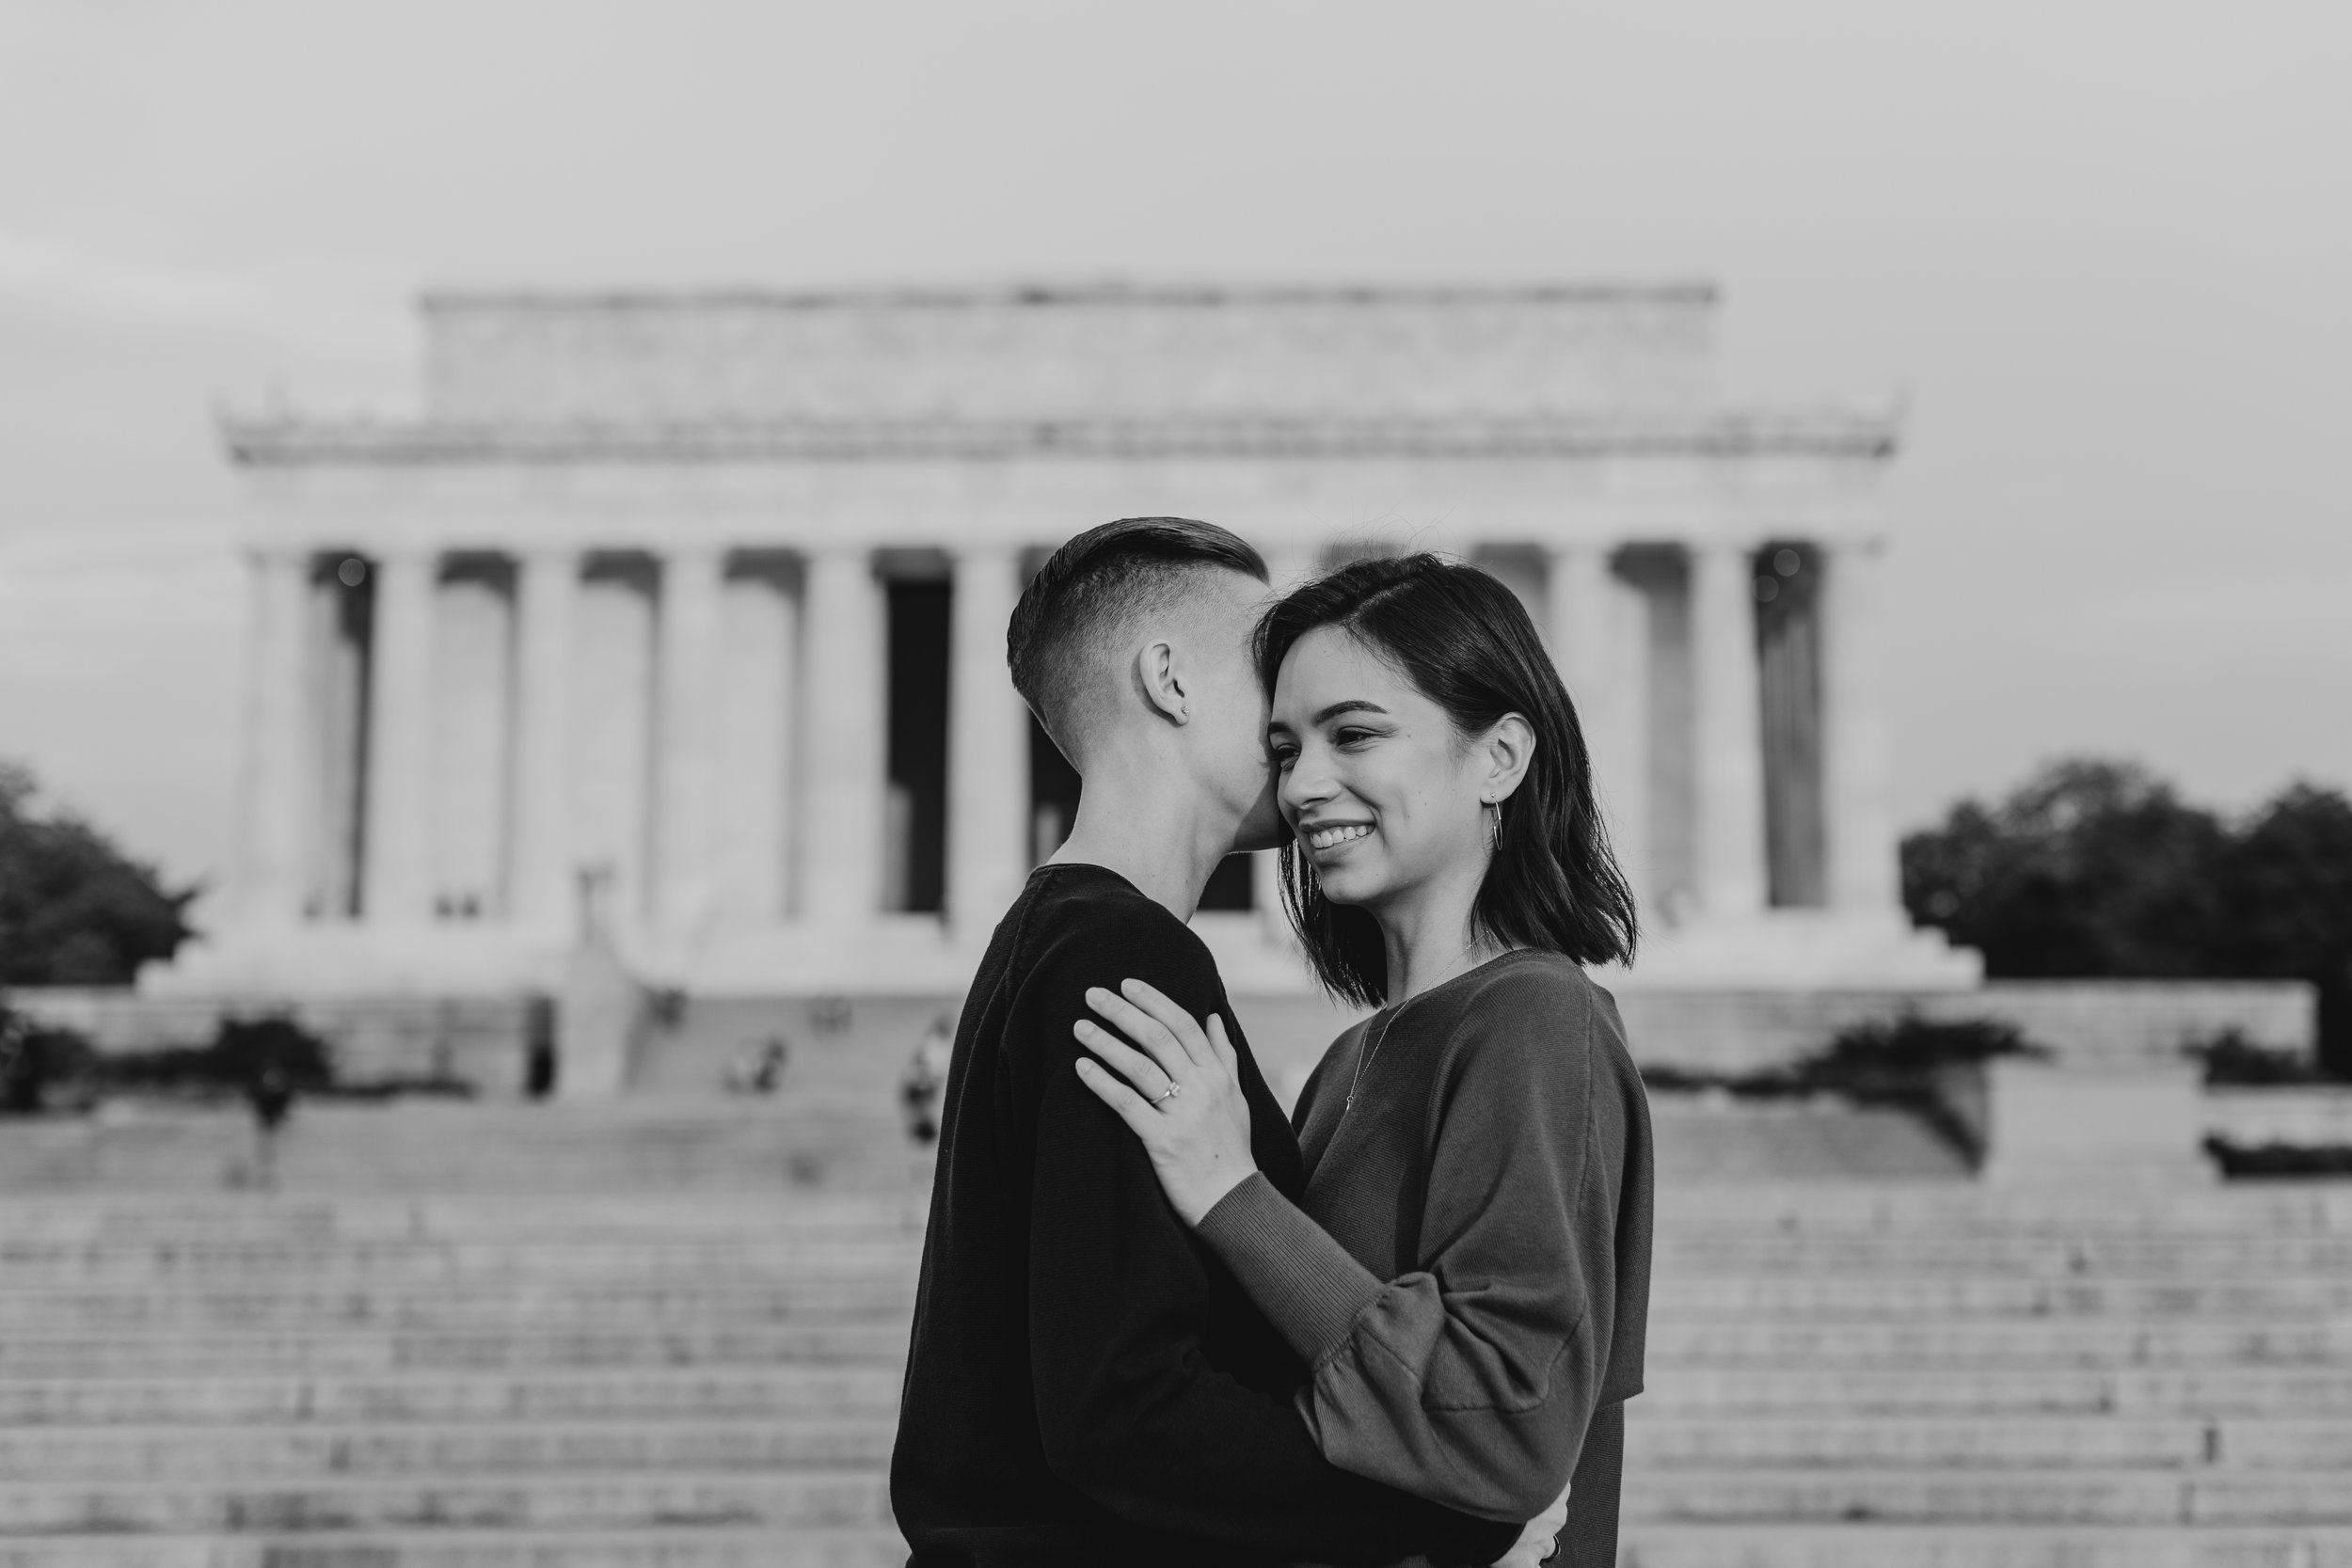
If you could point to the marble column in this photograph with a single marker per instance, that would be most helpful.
(1587, 612)
(1285, 570)
(276, 793)
(987, 748)
(546, 590)
(686, 730)
(1732, 878)
(1865, 857)
(398, 861)
(844, 737)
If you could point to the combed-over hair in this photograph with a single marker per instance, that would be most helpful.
(1089, 587)
(1464, 642)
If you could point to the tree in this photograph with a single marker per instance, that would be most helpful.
(2090, 868)
(74, 911)
(2095, 869)
(2286, 895)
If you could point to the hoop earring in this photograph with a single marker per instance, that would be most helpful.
(1494, 827)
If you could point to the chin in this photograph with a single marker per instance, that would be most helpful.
(1349, 886)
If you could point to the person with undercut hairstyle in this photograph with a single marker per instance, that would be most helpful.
(1087, 1381)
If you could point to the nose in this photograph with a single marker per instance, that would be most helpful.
(1307, 784)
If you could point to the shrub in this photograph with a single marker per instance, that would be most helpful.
(243, 1053)
(39, 1065)
(2231, 1058)
(1896, 1063)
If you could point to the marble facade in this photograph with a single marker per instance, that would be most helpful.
(698, 600)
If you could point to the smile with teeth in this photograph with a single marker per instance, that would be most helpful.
(1326, 838)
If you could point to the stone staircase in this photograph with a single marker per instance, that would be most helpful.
(696, 1365)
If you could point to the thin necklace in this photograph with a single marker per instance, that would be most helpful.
(1365, 1060)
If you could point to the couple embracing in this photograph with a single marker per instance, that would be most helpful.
(1159, 1322)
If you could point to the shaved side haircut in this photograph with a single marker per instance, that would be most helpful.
(1063, 629)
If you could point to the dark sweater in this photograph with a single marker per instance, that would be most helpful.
(1467, 1274)
(1087, 1384)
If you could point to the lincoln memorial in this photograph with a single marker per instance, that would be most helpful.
(685, 613)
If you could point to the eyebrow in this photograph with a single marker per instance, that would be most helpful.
(1354, 705)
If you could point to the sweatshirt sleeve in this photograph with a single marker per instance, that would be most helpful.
(1471, 1381)
(1131, 1410)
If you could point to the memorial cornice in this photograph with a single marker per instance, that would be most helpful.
(1672, 292)
(297, 442)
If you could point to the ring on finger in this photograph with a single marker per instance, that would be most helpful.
(1170, 1093)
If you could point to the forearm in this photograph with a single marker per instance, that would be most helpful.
(1309, 1288)
(1373, 1347)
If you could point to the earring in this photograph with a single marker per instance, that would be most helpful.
(1494, 827)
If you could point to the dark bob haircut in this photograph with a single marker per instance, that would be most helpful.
(1088, 588)
(1463, 641)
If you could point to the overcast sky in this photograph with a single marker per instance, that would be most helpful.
(2103, 250)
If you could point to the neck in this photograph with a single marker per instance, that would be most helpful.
(1145, 820)
(1426, 933)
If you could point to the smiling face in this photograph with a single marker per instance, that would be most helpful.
(1383, 792)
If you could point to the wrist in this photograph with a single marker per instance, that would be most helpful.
(1213, 1191)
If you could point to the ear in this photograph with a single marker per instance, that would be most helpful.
(1160, 682)
(1508, 750)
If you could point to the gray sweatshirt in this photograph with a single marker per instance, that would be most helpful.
(1466, 1275)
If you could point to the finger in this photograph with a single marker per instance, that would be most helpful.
(1117, 1096)
(1145, 1030)
(1170, 1017)
(1133, 1065)
(1227, 1057)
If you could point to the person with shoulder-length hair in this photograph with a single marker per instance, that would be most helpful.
(1467, 1272)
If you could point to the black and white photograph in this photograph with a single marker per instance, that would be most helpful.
(1056, 786)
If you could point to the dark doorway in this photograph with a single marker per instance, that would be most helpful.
(916, 812)
(1228, 884)
(342, 641)
(1054, 809)
(1788, 579)
(1053, 794)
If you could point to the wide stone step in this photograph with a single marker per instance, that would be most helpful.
(2094, 1341)
(1952, 1497)
(786, 1499)
(526, 1301)
(796, 1142)
(1822, 1298)
(784, 1391)
(164, 1266)
(253, 1217)
(2043, 1255)
(361, 1350)
(1960, 1209)
(835, 1497)
(1645, 1545)
(1673, 1342)
(305, 1451)
(1657, 1440)
(1905, 1212)
(662, 1547)
(2294, 1392)
(465, 1305)
(2202, 1443)
(1749, 1544)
